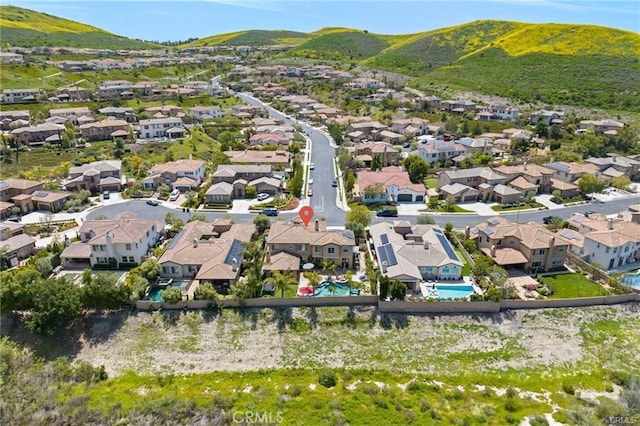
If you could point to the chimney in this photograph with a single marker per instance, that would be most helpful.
(195, 242)
(384, 266)
(426, 245)
(234, 264)
(610, 223)
(317, 225)
(493, 251)
(552, 243)
(267, 256)
(524, 166)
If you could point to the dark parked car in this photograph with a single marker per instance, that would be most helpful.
(548, 219)
(152, 202)
(105, 195)
(270, 211)
(334, 183)
(387, 213)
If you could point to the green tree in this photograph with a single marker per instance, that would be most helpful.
(250, 192)
(374, 192)
(621, 182)
(448, 228)
(205, 291)
(314, 278)
(359, 214)
(450, 202)
(329, 266)
(433, 203)
(172, 295)
(541, 129)
(262, 223)
(590, 184)
(384, 284)
(376, 163)
(426, 219)
(118, 151)
(281, 280)
(335, 132)
(197, 216)
(150, 269)
(102, 291)
(398, 290)
(416, 167)
(44, 266)
(56, 303)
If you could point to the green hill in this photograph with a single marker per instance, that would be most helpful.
(341, 44)
(251, 38)
(23, 27)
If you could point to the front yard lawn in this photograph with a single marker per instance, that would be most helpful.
(573, 285)
(526, 205)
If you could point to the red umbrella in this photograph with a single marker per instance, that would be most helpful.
(306, 290)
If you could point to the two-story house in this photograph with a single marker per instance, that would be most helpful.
(16, 244)
(393, 183)
(38, 135)
(528, 178)
(231, 181)
(97, 176)
(181, 174)
(312, 243)
(434, 151)
(14, 96)
(170, 127)
(105, 130)
(414, 253)
(205, 112)
(123, 240)
(527, 246)
(208, 252)
(387, 153)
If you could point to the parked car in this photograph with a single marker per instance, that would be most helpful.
(152, 202)
(310, 181)
(105, 195)
(270, 211)
(334, 183)
(387, 213)
(312, 166)
(174, 195)
(310, 192)
(589, 213)
(262, 196)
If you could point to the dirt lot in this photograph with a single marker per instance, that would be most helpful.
(162, 343)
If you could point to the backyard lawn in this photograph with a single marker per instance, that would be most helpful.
(573, 285)
(466, 270)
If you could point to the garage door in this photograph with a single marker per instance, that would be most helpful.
(405, 197)
(419, 197)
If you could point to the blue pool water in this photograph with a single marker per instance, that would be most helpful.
(445, 291)
(340, 289)
(632, 280)
(154, 292)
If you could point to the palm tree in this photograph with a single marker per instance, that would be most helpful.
(329, 266)
(282, 280)
(314, 279)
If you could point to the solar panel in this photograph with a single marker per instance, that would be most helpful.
(488, 231)
(384, 239)
(569, 235)
(41, 194)
(3, 184)
(234, 252)
(437, 231)
(474, 230)
(382, 255)
(493, 221)
(391, 255)
(446, 245)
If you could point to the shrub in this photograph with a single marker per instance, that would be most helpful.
(568, 388)
(328, 378)
(511, 405)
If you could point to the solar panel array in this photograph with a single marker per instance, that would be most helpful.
(488, 231)
(494, 222)
(41, 194)
(386, 254)
(569, 235)
(446, 245)
(384, 239)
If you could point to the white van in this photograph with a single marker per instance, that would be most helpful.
(174, 195)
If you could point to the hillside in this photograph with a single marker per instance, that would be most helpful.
(26, 28)
(341, 44)
(251, 38)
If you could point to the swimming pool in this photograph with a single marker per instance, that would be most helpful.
(154, 292)
(444, 291)
(632, 280)
(330, 288)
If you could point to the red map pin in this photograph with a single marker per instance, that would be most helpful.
(306, 214)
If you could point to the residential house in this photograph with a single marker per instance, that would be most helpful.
(547, 117)
(279, 159)
(460, 193)
(120, 113)
(208, 252)
(15, 244)
(98, 176)
(527, 177)
(246, 111)
(414, 253)
(170, 127)
(573, 171)
(115, 89)
(181, 174)
(616, 165)
(388, 154)
(73, 94)
(164, 111)
(481, 145)
(231, 181)
(15, 96)
(411, 126)
(602, 127)
(360, 131)
(502, 112)
(471, 177)
(364, 83)
(11, 187)
(611, 243)
(38, 135)
(312, 243)
(391, 184)
(71, 114)
(527, 246)
(14, 119)
(11, 58)
(269, 139)
(205, 112)
(123, 240)
(434, 151)
(428, 102)
(105, 130)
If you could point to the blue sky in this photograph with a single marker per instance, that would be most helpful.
(172, 20)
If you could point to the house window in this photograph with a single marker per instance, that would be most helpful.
(127, 247)
(606, 250)
(331, 250)
(131, 259)
(561, 250)
(299, 247)
(124, 259)
(345, 249)
(317, 249)
(536, 264)
(102, 260)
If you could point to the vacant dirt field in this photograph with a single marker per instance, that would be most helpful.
(179, 342)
